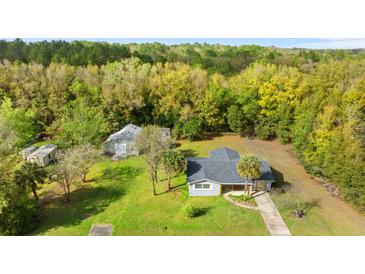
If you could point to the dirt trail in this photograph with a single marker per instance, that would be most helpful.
(336, 216)
(282, 159)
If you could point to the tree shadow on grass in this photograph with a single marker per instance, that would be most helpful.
(188, 153)
(86, 201)
(173, 189)
(201, 211)
(176, 145)
(120, 173)
(307, 206)
(210, 135)
(280, 185)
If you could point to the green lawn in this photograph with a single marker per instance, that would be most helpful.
(315, 222)
(121, 194)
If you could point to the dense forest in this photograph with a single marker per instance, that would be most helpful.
(226, 60)
(78, 92)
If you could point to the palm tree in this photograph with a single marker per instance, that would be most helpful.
(249, 168)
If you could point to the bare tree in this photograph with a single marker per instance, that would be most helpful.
(73, 165)
(294, 199)
(83, 157)
(64, 174)
(152, 146)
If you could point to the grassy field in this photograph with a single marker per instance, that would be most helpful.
(121, 194)
(326, 215)
(315, 222)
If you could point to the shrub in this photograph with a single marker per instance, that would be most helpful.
(18, 216)
(191, 211)
(190, 129)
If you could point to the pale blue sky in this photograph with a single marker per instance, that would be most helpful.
(315, 43)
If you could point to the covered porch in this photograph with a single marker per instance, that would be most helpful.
(239, 189)
(236, 190)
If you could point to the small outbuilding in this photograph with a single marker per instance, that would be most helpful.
(44, 155)
(27, 151)
(123, 143)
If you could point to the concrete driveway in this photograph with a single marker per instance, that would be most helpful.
(271, 215)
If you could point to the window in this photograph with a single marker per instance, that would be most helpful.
(202, 186)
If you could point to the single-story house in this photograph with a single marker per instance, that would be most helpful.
(27, 151)
(218, 174)
(44, 155)
(123, 143)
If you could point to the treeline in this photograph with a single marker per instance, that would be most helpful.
(227, 60)
(73, 53)
(320, 111)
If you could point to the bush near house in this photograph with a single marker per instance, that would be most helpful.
(191, 211)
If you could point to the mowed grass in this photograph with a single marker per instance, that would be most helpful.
(120, 193)
(325, 215)
(314, 223)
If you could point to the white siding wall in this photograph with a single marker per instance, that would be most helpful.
(215, 189)
(43, 161)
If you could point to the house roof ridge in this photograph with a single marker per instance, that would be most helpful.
(221, 168)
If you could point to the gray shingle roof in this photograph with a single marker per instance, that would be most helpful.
(224, 154)
(221, 168)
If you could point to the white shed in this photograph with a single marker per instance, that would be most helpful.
(123, 143)
(27, 151)
(44, 155)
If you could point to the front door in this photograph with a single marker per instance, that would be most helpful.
(121, 149)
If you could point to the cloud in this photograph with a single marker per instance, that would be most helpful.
(334, 43)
